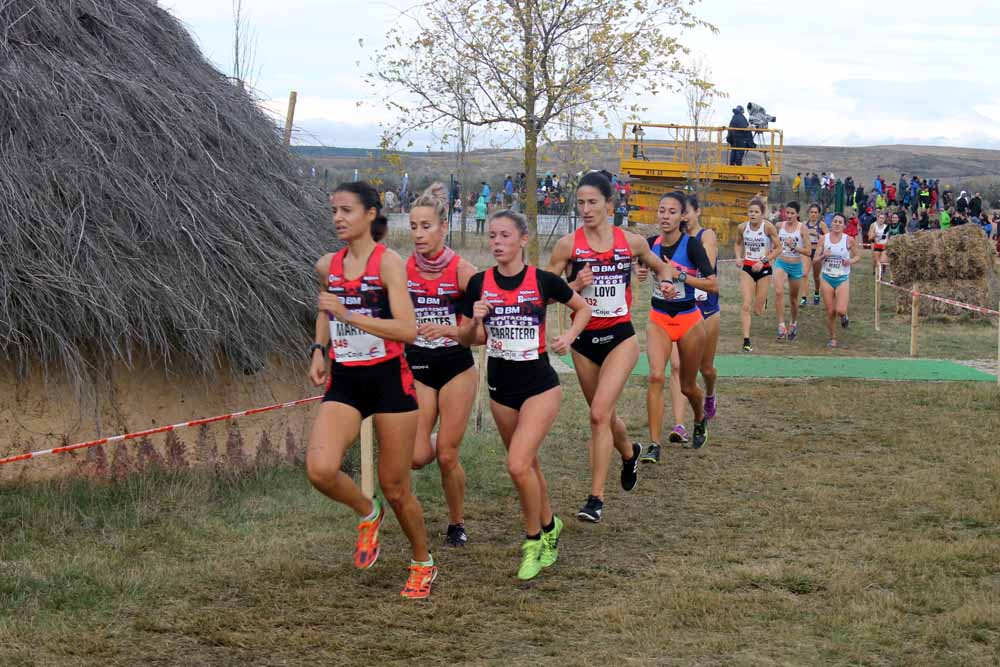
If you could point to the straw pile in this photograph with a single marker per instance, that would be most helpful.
(147, 206)
(957, 263)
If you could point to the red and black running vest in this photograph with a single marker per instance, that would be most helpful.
(610, 295)
(515, 327)
(435, 300)
(364, 295)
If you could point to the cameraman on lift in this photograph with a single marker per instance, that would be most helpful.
(738, 138)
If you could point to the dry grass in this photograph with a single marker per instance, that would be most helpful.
(812, 530)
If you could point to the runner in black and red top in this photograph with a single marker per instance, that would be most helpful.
(445, 374)
(675, 317)
(505, 309)
(365, 315)
(598, 258)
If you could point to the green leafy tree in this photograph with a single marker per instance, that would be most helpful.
(528, 62)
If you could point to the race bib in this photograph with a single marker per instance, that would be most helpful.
(606, 300)
(435, 316)
(513, 341)
(834, 267)
(352, 344)
(755, 252)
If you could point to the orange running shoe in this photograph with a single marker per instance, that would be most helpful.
(366, 549)
(418, 586)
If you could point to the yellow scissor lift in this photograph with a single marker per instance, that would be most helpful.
(662, 158)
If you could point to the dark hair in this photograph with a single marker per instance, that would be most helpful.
(838, 215)
(794, 205)
(678, 196)
(369, 198)
(596, 179)
(519, 220)
(816, 206)
(693, 203)
(759, 203)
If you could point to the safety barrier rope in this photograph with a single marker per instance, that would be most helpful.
(154, 431)
(952, 302)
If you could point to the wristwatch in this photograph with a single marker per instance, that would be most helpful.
(314, 347)
(682, 276)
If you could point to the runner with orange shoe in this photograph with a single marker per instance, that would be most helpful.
(365, 315)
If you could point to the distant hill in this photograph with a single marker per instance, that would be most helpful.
(959, 167)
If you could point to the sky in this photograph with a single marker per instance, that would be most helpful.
(847, 73)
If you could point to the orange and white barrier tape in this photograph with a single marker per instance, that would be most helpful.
(154, 431)
(951, 302)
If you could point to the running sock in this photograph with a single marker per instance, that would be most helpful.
(536, 536)
(551, 525)
(427, 563)
(376, 506)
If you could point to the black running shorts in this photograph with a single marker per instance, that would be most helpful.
(597, 344)
(385, 387)
(436, 368)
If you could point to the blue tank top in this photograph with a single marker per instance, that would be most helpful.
(680, 260)
(710, 302)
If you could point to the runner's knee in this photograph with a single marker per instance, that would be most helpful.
(447, 458)
(657, 377)
(600, 416)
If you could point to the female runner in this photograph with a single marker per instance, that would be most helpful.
(444, 371)
(817, 227)
(838, 252)
(878, 234)
(793, 238)
(366, 315)
(676, 318)
(505, 306)
(756, 245)
(708, 304)
(598, 257)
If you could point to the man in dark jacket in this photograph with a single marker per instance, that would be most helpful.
(976, 206)
(738, 138)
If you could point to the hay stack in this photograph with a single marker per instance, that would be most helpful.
(148, 206)
(957, 263)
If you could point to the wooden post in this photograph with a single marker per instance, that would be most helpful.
(998, 348)
(367, 458)
(878, 295)
(290, 118)
(914, 318)
(481, 390)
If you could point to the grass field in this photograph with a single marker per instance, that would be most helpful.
(828, 522)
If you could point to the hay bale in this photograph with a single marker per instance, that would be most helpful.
(981, 292)
(959, 253)
(149, 207)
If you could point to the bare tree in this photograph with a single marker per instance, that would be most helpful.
(699, 96)
(245, 70)
(529, 62)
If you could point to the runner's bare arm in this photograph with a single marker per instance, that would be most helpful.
(317, 363)
(710, 241)
(561, 256)
(738, 244)
(772, 233)
(852, 245)
(471, 331)
(641, 250)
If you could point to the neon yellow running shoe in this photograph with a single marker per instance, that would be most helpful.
(531, 559)
(550, 543)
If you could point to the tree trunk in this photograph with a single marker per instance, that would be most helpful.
(461, 178)
(531, 190)
(531, 131)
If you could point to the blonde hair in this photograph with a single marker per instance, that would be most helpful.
(435, 197)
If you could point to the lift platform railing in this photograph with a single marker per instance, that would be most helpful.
(700, 151)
